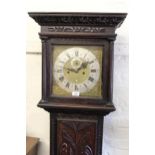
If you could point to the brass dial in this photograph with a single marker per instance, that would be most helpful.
(76, 70)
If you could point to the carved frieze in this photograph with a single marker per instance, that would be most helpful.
(77, 29)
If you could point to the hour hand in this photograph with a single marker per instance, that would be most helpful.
(70, 69)
(84, 65)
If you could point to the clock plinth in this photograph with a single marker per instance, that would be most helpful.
(77, 77)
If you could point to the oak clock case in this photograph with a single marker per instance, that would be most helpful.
(77, 77)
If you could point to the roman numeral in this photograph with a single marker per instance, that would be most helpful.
(91, 79)
(61, 78)
(90, 62)
(68, 55)
(76, 88)
(85, 85)
(85, 56)
(76, 53)
(67, 84)
(59, 71)
(93, 70)
(62, 62)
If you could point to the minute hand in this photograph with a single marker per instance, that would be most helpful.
(83, 66)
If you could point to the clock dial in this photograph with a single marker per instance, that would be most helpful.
(76, 69)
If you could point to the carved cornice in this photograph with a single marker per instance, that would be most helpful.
(79, 19)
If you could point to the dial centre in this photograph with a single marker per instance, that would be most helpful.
(76, 62)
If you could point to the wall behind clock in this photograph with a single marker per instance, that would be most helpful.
(115, 141)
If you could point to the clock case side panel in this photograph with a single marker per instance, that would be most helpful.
(51, 103)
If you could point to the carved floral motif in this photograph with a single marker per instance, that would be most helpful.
(76, 138)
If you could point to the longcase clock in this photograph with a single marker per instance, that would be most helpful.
(77, 77)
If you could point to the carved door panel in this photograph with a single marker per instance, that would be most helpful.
(76, 137)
